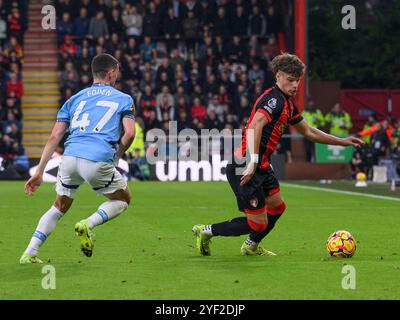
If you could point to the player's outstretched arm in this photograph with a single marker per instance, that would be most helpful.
(59, 129)
(316, 135)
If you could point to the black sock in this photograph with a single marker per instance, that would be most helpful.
(233, 228)
(258, 236)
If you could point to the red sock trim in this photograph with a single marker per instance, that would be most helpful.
(257, 227)
(273, 191)
(255, 211)
(277, 210)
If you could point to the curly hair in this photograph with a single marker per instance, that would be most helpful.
(288, 63)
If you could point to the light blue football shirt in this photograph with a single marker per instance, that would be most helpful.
(95, 117)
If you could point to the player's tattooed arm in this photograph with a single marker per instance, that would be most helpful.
(254, 132)
(59, 129)
(316, 135)
(127, 138)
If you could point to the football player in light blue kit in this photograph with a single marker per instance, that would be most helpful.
(95, 118)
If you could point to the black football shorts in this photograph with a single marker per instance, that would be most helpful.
(251, 197)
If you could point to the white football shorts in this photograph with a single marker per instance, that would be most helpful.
(103, 177)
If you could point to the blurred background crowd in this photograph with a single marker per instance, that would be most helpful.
(202, 63)
(13, 24)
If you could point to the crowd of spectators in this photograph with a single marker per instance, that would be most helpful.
(382, 143)
(382, 138)
(337, 122)
(201, 63)
(13, 23)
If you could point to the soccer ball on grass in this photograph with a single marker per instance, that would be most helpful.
(341, 244)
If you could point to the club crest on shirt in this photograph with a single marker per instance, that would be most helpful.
(282, 128)
(254, 202)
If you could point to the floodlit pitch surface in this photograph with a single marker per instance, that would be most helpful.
(149, 253)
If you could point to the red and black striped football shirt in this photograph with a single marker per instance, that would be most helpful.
(280, 111)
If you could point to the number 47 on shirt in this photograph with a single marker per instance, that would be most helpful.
(84, 121)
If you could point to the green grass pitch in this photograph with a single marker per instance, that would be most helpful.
(148, 252)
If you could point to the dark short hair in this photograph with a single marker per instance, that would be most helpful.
(103, 63)
(288, 63)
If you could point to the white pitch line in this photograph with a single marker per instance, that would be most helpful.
(368, 195)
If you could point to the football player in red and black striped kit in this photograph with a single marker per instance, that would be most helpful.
(256, 188)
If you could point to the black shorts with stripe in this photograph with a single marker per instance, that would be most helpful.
(251, 197)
